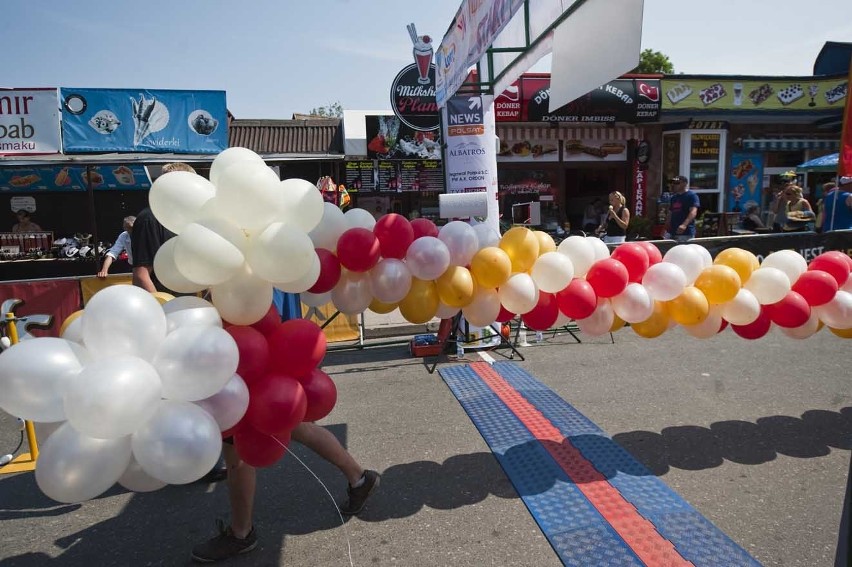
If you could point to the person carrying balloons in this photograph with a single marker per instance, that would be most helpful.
(680, 220)
(614, 226)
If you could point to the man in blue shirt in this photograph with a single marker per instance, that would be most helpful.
(683, 208)
(837, 206)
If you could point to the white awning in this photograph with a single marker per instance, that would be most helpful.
(521, 133)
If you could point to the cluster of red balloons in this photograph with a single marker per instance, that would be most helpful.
(279, 364)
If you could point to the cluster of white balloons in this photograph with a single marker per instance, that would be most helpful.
(239, 234)
(136, 393)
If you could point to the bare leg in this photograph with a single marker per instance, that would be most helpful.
(241, 485)
(323, 442)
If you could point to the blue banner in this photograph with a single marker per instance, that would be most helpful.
(137, 120)
(745, 182)
(74, 178)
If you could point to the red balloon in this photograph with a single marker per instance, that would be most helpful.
(254, 352)
(329, 271)
(259, 449)
(608, 277)
(723, 326)
(544, 314)
(270, 322)
(816, 286)
(395, 235)
(791, 312)
(277, 403)
(577, 300)
(296, 347)
(504, 316)
(835, 263)
(839, 255)
(756, 329)
(321, 393)
(358, 249)
(424, 227)
(635, 259)
(654, 254)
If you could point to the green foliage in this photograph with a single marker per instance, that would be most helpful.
(333, 110)
(651, 61)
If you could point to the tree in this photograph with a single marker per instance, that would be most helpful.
(651, 61)
(333, 110)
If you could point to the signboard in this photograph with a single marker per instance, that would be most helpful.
(389, 138)
(705, 147)
(360, 176)
(394, 175)
(74, 178)
(640, 188)
(754, 94)
(470, 165)
(619, 100)
(413, 101)
(128, 120)
(29, 122)
(745, 181)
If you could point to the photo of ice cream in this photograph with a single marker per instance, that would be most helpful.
(149, 116)
(202, 122)
(104, 122)
(124, 175)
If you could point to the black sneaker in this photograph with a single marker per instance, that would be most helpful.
(224, 545)
(216, 474)
(358, 496)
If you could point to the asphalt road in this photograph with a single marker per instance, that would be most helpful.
(755, 435)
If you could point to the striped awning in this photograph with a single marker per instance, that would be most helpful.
(789, 144)
(522, 133)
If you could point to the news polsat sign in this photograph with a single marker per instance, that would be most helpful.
(471, 164)
(754, 94)
(138, 120)
(620, 100)
(29, 122)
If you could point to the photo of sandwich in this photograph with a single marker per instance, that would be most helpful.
(62, 178)
(94, 176)
(124, 175)
(24, 180)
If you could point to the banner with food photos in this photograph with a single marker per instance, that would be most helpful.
(685, 92)
(120, 177)
(139, 120)
(745, 181)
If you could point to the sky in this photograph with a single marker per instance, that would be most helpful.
(275, 58)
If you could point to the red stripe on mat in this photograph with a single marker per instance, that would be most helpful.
(639, 533)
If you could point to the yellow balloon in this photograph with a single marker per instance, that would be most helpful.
(491, 267)
(421, 303)
(522, 247)
(381, 307)
(655, 325)
(842, 333)
(455, 287)
(545, 242)
(689, 308)
(68, 320)
(742, 261)
(719, 283)
(162, 296)
(617, 323)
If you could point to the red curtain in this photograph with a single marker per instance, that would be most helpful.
(45, 304)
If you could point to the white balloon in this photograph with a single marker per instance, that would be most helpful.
(74, 331)
(315, 299)
(226, 229)
(709, 327)
(427, 258)
(175, 198)
(137, 480)
(205, 257)
(359, 218)
(848, 285)
(688, 259)
(331, 226)
(73, 467)
(664, 281)
(34, 375)
(706, 258)
(806, 330)
(123, 319)
(179, 444)
(837, 313)
(486, 236)
(519, 294)
(300, 204)
(249, 192)
(633, 305)
(195, 362)
(111, 397)
(390, 280)
(769, 285)
(743, 309)
(788, 261)
(600, 321)
(599, 246)
(190, 310)
(229, 157)
(166, 270)
(244, 299)
(228, 405)
(552, 272)
(447, 312)
(352, 294)
(281, 253)
(580, 251)
(305, 282)
(461, 241)
(484, 308)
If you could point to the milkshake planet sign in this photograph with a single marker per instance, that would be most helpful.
(413, 90)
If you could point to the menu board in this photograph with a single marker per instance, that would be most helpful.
(74, 178)
(421, 175)
(394, 175)
(360, 176)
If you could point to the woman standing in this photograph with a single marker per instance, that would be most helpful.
(800, 215)
(616, 220)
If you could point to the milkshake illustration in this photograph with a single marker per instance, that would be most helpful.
(422, 52)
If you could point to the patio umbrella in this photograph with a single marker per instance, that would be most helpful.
(824, 164)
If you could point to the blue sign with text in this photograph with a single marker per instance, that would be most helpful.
(139, 120)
